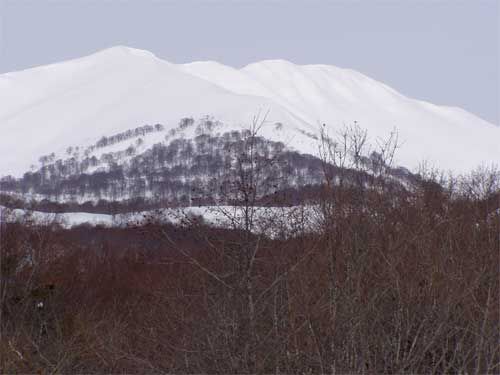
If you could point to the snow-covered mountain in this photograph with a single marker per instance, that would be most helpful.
(75, 103)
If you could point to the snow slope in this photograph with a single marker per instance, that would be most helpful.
(451, 138)
(49, 108)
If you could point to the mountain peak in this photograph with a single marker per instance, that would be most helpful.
(120, 88)
(121, 50)
(120, 53)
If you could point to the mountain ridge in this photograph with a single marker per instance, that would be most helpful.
(79, 100)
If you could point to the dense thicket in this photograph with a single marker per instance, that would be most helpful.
(393, 282)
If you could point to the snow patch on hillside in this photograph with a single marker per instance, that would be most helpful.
(280, 220)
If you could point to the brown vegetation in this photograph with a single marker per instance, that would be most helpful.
(392, 280)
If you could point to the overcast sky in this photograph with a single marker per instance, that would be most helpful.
(446, 52)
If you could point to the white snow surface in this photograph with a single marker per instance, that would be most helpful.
(74, 103)
(271, 221)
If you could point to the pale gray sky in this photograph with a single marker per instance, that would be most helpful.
(446, 52)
